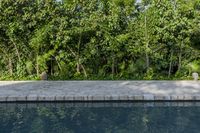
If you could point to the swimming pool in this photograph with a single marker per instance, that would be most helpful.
(123, 117)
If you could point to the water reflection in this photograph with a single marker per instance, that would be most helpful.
(100, 118)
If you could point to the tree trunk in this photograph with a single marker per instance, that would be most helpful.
(78, 64)
(170, 64)
(113, 67)
(10, 66)
(180, 57)
(78, 67)
(51, 67)
(84, 71)
(37, 66)
(147, 61)
(78, 56)
(17, 51)
(147, 44)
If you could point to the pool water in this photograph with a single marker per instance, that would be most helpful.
(99, 118)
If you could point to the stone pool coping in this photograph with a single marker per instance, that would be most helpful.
(127, 90)
(123, 104)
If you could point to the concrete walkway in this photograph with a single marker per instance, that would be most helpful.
(12, 91)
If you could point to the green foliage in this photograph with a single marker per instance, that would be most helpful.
(194, 66)
(149, 74)
(29, 67)
(99, 39)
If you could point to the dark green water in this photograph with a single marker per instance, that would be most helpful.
(100, 118)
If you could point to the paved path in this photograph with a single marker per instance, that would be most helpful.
(98, 90)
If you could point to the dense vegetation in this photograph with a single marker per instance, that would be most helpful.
(99, 39)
